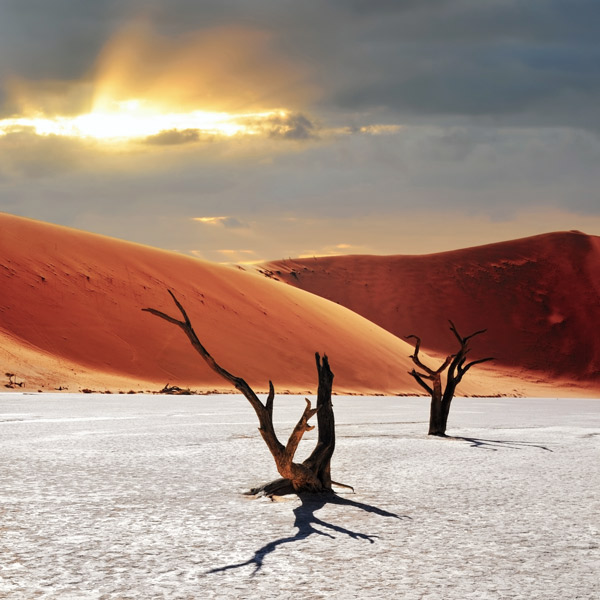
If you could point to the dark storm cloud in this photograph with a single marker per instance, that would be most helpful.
(530, 62)
(58, 39)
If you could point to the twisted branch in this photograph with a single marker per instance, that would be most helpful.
(299, 475)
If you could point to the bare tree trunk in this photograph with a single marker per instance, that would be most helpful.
(438, 414)
(313, 475)
(320, 460)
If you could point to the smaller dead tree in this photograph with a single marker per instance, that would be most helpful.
(313, 475)
(441, 397)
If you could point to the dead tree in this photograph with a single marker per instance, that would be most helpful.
(441, 397)
(312, 475)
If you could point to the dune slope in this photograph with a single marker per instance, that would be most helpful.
(538, 297)
(70, 315)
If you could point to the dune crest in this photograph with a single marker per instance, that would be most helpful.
(538, 297)
(70, 316)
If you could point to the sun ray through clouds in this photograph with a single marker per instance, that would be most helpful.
(220, 83)
(130, 120)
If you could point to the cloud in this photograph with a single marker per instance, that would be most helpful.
(174, 137)
(478, 110)
(520, 63)
(227, 222)
(474, 170)
(223, 68)
(26, 156)
(280, 126)
(273, 238)
(529, 63)
(239, 256)
(50, 97)
(294, 126)
(379, 129)
(236, 251)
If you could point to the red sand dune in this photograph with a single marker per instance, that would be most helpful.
(70, 315)
(538, 297)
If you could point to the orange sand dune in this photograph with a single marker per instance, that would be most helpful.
(70, 316)
(538, 297)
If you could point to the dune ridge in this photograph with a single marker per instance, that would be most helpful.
(70, 316)
(538, 297)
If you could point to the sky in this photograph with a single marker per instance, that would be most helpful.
(248, 130)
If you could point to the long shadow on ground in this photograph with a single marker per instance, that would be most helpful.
(306, 521)
(497, 444)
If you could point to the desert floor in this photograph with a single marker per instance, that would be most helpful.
(141, 497)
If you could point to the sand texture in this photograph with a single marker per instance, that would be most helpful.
(103, 498)
(70, 317)
(538, 298)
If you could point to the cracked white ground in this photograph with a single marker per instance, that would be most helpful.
(140, 497)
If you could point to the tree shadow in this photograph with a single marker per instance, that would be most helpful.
(497, 444)
(306, 522)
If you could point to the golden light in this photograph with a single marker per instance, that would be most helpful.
(133, 119)
(210, 220)
(219, 82)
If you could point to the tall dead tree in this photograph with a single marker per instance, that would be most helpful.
(312, 475)
(441, 397)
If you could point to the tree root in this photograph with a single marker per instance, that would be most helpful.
(284, 487)
(349, 487)
(278, 487)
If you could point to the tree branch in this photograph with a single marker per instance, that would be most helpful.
(270, 399)
(263, 413)
(474, 334)
(418, 377)
(475, 362)
(415, 356)
(455, 332)
(441, 398)
(187, 328)
(464, 340)
(300, 476)
(445, 364)
(301, 427)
